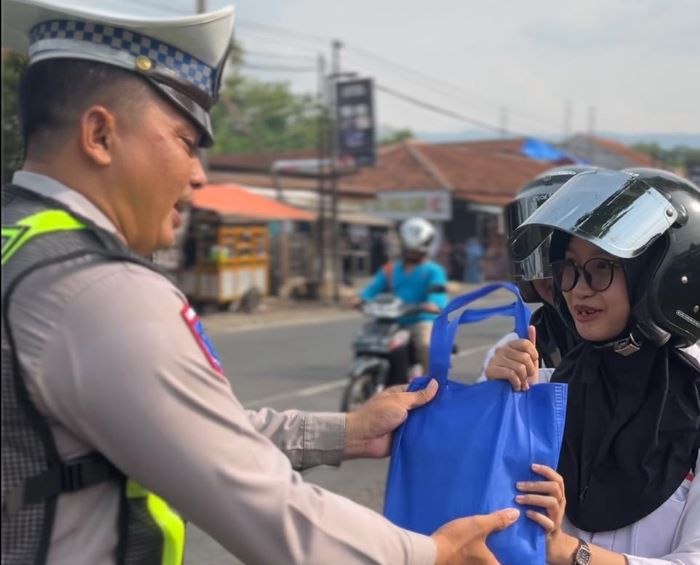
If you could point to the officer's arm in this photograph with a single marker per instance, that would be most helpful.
(307, 439)
(136, 385)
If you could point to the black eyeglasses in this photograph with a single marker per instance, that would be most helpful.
(598, 273)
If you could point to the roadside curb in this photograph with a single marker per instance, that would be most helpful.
(304, 313)
(279, 320)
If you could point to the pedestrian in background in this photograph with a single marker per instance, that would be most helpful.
(474, 254)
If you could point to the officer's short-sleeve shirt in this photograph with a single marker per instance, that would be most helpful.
(112, 363)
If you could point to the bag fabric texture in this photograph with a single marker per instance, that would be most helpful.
(462, 453)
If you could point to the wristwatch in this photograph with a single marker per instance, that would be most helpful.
(583, 554)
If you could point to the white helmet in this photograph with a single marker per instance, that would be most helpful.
(417, 234)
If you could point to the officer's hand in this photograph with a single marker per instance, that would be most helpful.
(517, 361)
(463, 541)
(368, 429)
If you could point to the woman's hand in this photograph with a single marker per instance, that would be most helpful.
(549, 494)
(517, 361)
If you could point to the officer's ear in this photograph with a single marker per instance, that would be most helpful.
(97, 131)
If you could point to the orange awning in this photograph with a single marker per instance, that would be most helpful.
(230, 199)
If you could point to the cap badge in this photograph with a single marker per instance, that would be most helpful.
(143, 63)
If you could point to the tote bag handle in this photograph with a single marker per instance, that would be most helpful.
(444, 330)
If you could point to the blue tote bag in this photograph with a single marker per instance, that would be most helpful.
(462, 453)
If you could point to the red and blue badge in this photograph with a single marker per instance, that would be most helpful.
(207, 345)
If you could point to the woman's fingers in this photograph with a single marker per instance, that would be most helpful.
(524, 345)
(532, 334)
(541, 500)
(516, 361)
(496, 371)
(551, 488)
(548, 473)
(548, 494)
(542, 520)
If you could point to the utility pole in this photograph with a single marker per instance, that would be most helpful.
(203, 155)
(591, 120)
(321, 146)
(591, 132)
(503, 121)
(335, 75)
(567, 118)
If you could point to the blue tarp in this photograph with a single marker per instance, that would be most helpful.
(543, 151)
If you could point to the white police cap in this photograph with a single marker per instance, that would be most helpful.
(183, 57)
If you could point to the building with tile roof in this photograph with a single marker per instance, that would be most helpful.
(608, 153)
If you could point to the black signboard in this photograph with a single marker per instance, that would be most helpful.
(355, 119)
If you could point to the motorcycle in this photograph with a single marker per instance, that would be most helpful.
(384, 352)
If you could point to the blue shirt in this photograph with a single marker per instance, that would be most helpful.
(412, 287)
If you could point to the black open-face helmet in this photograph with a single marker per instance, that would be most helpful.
(627, 213)
(529, 198)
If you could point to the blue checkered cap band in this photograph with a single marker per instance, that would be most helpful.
(129, 43)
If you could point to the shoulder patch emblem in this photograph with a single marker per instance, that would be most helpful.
(205, 343)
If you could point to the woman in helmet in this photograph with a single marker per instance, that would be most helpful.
(415, 280)
(550, 338)
(625, 255)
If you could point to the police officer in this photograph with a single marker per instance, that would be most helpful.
(113, 398)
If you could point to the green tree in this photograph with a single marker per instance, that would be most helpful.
(252, 116)
(680, 156)
(12, 147)
(396, 135)
(256, 116)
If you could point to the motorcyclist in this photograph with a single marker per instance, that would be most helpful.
(414, 279)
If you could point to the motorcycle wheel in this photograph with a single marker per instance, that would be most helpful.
(358, 392)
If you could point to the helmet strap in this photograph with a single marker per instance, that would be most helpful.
(628, 345)
(625, 346)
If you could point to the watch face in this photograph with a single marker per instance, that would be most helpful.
(583, 555)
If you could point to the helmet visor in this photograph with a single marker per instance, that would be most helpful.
(521, 209)
(534, 266)
(615, 211)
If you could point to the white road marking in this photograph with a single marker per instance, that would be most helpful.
(473, 350)
(309, 391)
(273, 324)
(332, 385)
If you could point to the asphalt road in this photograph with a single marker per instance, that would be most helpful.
(303, 366)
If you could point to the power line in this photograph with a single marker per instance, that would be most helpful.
(278, 68)
(445, 111)
(446, 88)
(432, 81)
(268, 55)
(284, 31)
(276, 38)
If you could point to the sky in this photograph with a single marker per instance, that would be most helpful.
(544, 67)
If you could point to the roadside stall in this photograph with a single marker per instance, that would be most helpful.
(226, 253)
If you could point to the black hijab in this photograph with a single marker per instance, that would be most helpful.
(631, 432)
(632, 424)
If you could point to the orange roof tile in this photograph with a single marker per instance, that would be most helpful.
(230, 199)
(637, 157)
(490, 174)
(485, 171)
